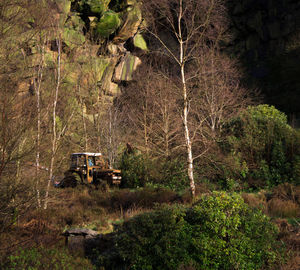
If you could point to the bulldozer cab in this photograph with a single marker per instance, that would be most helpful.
(85, 163)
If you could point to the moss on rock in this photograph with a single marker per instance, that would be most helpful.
(108, 24)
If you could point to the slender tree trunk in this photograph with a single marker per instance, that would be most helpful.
(98, 126)
(187, 134)
(85, 131)
(188, 141)
(37, 86)
(37, 157)
(4, 135)
(110, 139)
(54, 132)
(166, 130)
(146, 131)
(20, 148)
(83, 120)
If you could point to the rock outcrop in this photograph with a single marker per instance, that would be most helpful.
(93, 34)
(262, 28)
(266, 37)
(82, 241)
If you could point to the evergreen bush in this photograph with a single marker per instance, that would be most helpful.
(263, 146)
(219, 232)
(133, 170)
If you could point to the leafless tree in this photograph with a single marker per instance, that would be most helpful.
(182, 28)
(58, 128)
(218, 93)
(151, 107)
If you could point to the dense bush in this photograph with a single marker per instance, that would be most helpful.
(133, 170)
(169, 173)
(218, 232)
(264, 148)
(139, 170)
(16, 198)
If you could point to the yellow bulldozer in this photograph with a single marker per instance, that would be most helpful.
(89, 168)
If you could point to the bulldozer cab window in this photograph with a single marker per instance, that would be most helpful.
(100, 162)
(78, 161)
(74, 161)
(91, 161)
(81, 160)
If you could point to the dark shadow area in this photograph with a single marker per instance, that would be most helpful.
(266, 40)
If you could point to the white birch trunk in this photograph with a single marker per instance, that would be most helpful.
(54, 132)
(37, 86)
(83, 120)
(188, 141)
(110, 134)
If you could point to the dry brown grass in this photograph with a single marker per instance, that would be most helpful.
(287, 192)
(255, 200)
(283, 208)
(86, 207)
(290, 235)
(293, 263)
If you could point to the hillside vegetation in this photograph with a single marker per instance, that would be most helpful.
(210, 174)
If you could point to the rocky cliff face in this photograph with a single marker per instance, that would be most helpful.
(266, 37)
(262, 28)
(93, 34)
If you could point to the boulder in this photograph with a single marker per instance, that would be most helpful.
(81, 232)
(108, 24)
(131, 23)
(127, 65)
(81, 240)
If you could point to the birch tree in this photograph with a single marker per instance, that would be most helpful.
(59, 125)
(37, 84)
(181, 28)
(221, 95)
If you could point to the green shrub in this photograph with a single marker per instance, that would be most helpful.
(218, 232)
(139, 170)
(296, 170)
(42, 258)
(227, 234)
(133, 170)
(169, 173)
(155, 240)
(261, 138)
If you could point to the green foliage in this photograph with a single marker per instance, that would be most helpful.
(260, 139)
(72, 32)
(218, 232)
(169, 173)
(14, 201)
(72, 38)
(140, 42)
(139, 170)
(64, 5)
(42, 258)
(155, 240)
(108, 24)
(97, 6)
(133, 170)
(228, 234)
(90, 7)
(296, 170)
